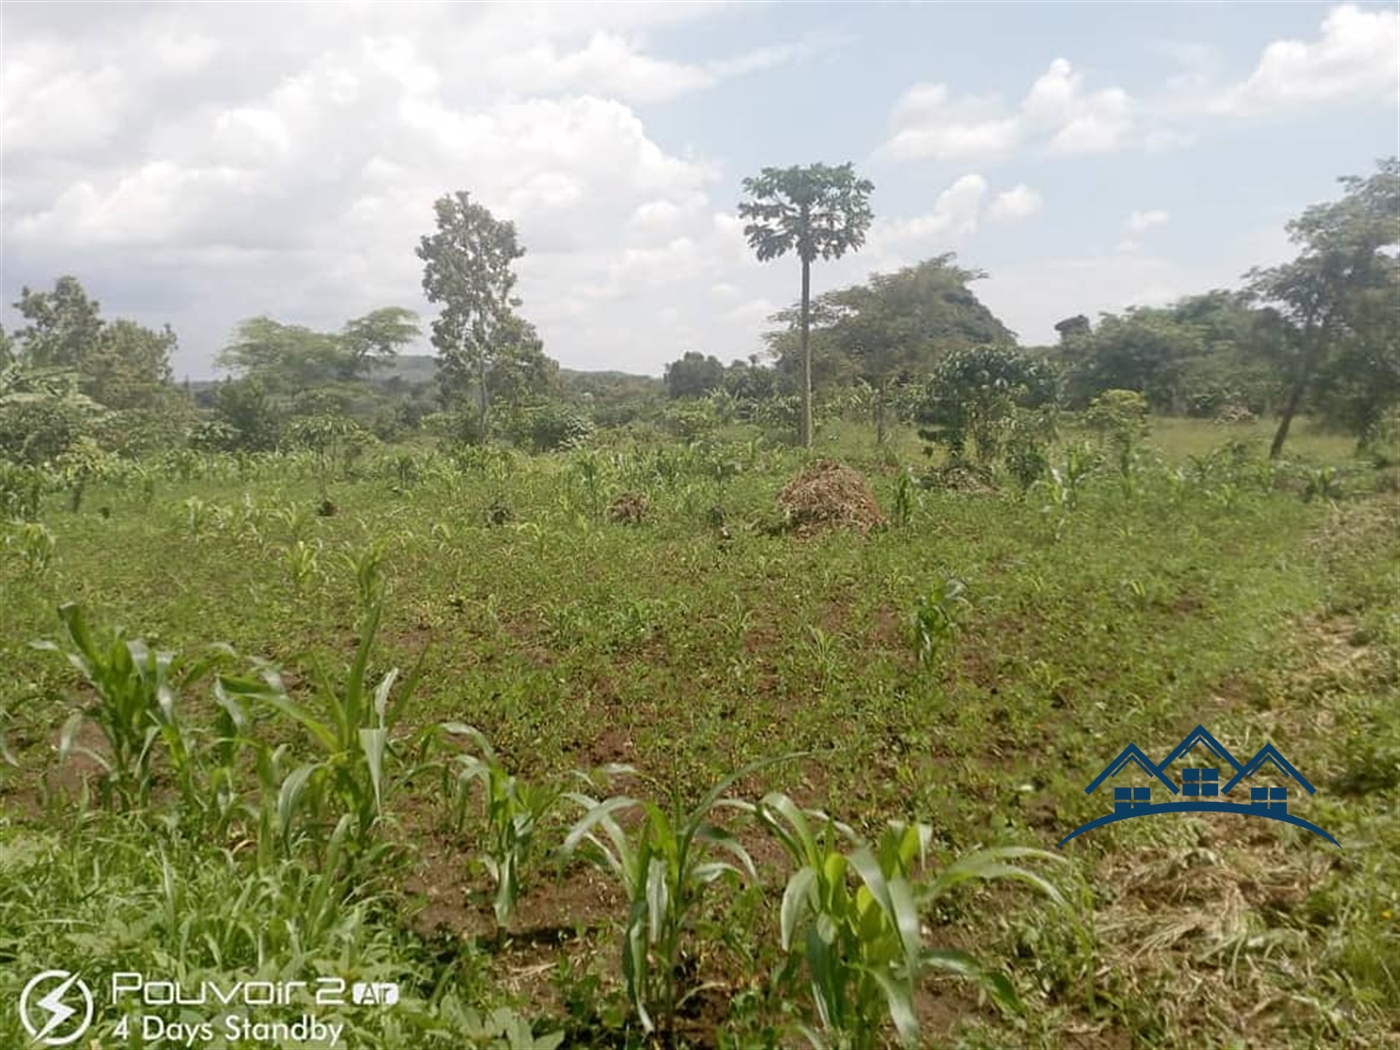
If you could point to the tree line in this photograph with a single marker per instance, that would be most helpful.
(1316, 335)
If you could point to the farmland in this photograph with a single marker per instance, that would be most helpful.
(966, 667)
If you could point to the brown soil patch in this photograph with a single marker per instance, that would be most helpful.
(828, 495)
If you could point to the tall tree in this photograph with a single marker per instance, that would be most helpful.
(1340, 294)
(819, 211)
(902, 323)
(694, 375)
(130, 366)
(285, 358)
(376, 338)
(468, 269)
(63, 327)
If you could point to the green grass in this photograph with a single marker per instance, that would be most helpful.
(1215, 594)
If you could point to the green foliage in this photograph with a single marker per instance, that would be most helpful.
(483, 345)
(1337, 305)
(863, 949)
(694, 375)
(818, 212)
(549, 427)
(1120, 419)
(345, 787)
(938, 617)
(973, 396)
(664, 868)
(514, 811)
(135, 705)
(33, 543)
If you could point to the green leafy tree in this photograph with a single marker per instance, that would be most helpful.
(818, 211)
(520, 371)
(1146, 349)
(129, 368)
(63, 325)
(376, 339)
(902, 324)
(1339, 299)
(468, 270)
(694, 375)
(974, 397)
(285, 358)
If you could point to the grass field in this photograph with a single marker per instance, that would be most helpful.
(265, 834)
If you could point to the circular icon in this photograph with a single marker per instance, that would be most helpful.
(54, 1014)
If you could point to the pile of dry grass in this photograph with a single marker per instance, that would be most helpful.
(829, 495)
(630, 508)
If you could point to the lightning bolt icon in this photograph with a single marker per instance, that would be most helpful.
(57, 1009)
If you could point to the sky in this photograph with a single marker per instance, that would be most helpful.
(203, 164)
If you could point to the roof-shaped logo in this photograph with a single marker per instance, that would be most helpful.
(1202, 788)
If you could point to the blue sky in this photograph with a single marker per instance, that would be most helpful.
(203, 164)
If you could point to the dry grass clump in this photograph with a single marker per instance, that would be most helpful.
(630, 508)
(828, 495)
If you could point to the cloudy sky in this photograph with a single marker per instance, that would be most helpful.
(201, 164)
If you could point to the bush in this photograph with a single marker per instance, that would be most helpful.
(974, 395)
(39, 431)
(549, 427)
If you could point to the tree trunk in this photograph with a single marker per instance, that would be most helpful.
(805, 428)
(1290, 408)
(1295, 395)
(880, 414)
(485, 400)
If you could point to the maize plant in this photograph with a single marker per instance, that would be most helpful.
(34, 544)
(664, 868)
(350, 775)
(938, 617)
(850, 917)
(906, 497)
(514, 812)
(135, 706)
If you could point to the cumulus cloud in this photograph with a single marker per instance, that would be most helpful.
(1019, 202)
(1057, 112)
(954, 214)
(232, 171)
(1356, 55)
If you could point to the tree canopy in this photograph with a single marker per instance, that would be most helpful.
(818, 212)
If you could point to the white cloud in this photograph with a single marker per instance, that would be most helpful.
(1019, 202)
(1357, 55)
(608, 64)
(1057, 111)
(954, 214)
(930, 124)
(1139, 221)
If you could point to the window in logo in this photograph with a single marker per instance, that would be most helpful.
(1127, 800)
(1200, 783)
(1271, 800)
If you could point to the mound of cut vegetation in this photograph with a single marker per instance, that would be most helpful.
(828, 495)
